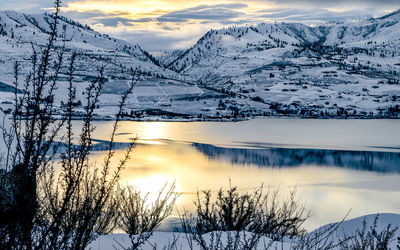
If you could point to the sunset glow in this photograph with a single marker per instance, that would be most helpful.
(176, 24)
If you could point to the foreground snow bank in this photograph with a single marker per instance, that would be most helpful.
(350, 226)
(162, 239)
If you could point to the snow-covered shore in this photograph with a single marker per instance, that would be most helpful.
(162, 239)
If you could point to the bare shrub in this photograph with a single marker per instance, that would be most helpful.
(324, 238)
(225, 240)
(281, 218)
(370, 238)
(139, 216)
(49, 203)
(239, 221)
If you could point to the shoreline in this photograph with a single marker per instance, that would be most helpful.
(242, 119)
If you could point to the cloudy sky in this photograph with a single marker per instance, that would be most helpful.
(177, 24)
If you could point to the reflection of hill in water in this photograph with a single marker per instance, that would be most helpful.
(101, 145)
(98, 146)
(283, 157)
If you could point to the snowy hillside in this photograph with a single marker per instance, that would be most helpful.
(329, 70)
(361, 34)
(161, 93)
(18, 31)
(334, 70)
(165, 58)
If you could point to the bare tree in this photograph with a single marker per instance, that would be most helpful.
(49, 203)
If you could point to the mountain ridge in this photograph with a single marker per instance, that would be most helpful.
(335, 70)
(20, 29)
(331, 34)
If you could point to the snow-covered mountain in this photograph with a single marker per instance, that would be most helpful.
(18, 31)
(165, 58)
(331, 69)
(348, 69)
(161, 93)
(384, 30)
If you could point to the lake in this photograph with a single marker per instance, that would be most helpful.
(337, 166)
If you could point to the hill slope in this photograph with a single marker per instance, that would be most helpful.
(334, 70)
(18, 31)
(330, 70)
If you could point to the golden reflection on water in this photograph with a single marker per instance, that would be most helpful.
(162, 156)
(329, 192)
(153, 130)
(379, 135)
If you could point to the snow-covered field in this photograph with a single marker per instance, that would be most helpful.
(163, 239)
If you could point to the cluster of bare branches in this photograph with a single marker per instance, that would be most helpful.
(235, 221)
(370, 237)
(325, 238)
(332, 236)
(35, 109)
(240, 221)
(64, 203)
(139, 217)
(51, 195)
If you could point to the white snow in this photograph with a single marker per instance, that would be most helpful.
(162, 239)
(249, 69)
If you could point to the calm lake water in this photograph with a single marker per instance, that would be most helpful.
(336, 165)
